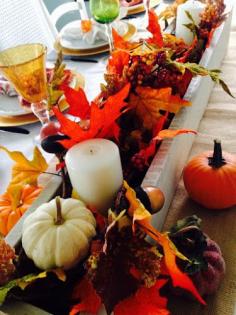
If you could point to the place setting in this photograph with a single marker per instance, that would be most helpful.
(88, 36)
(15, 102)
(85, 226)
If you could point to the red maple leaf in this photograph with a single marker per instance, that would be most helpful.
(210, 36)
(77, 100)
(89, 300)
(101, 120)
(155, 29)
(145, 301)
(187, 53)
(119, 42)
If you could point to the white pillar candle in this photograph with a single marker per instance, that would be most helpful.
(194, 8)
(95, 172)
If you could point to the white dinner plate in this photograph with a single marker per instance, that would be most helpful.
(10, 106)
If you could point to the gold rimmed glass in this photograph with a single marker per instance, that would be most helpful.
(25, 67)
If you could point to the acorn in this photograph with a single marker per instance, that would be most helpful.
(51, 143)
(152, 198)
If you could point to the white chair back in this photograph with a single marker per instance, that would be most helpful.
(25, 21)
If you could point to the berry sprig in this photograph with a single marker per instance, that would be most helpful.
(7, 268)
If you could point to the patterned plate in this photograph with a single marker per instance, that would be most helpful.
(138, 8)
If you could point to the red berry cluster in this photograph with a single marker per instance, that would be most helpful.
(152, 70)
(139, 67)
(7, 254)
(138, 162)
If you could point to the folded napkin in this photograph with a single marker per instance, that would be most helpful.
(6, 88)
(97, 32)
(75, 32)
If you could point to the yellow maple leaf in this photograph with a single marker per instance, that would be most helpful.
(148, 102)
(136, 209)
(24, 172)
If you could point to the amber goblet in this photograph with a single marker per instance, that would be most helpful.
(25, 67)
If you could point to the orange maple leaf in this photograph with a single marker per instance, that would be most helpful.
(117, 61)
(146, 301)
(155, 29)
(100, 122)
(179, 278)
(148, 102)
(121, 44)
(90, 301)
(170, 133)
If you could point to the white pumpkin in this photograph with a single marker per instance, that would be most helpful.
(58, 233)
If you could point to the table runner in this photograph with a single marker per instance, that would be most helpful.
(219, 121)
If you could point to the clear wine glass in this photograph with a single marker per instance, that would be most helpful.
(25, 67)
(105, 11)
(146, 4)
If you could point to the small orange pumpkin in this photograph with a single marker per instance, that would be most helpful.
(210, 178)
(9, 216)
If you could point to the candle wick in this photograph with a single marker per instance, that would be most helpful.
(91, 151)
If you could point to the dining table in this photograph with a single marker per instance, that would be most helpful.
(218, 121)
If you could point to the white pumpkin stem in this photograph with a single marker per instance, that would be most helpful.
(59, 219)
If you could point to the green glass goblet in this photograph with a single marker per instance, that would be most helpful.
(105, 12)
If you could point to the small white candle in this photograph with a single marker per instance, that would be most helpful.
(95, 171)
(194, 8)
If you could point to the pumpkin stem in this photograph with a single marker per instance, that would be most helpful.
(217, 160)
(59, 220)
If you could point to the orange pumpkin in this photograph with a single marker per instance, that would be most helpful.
(210, 178)
(8, 216)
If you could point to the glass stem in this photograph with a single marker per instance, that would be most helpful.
(40, 110)
(109, 36)
(146, 6)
